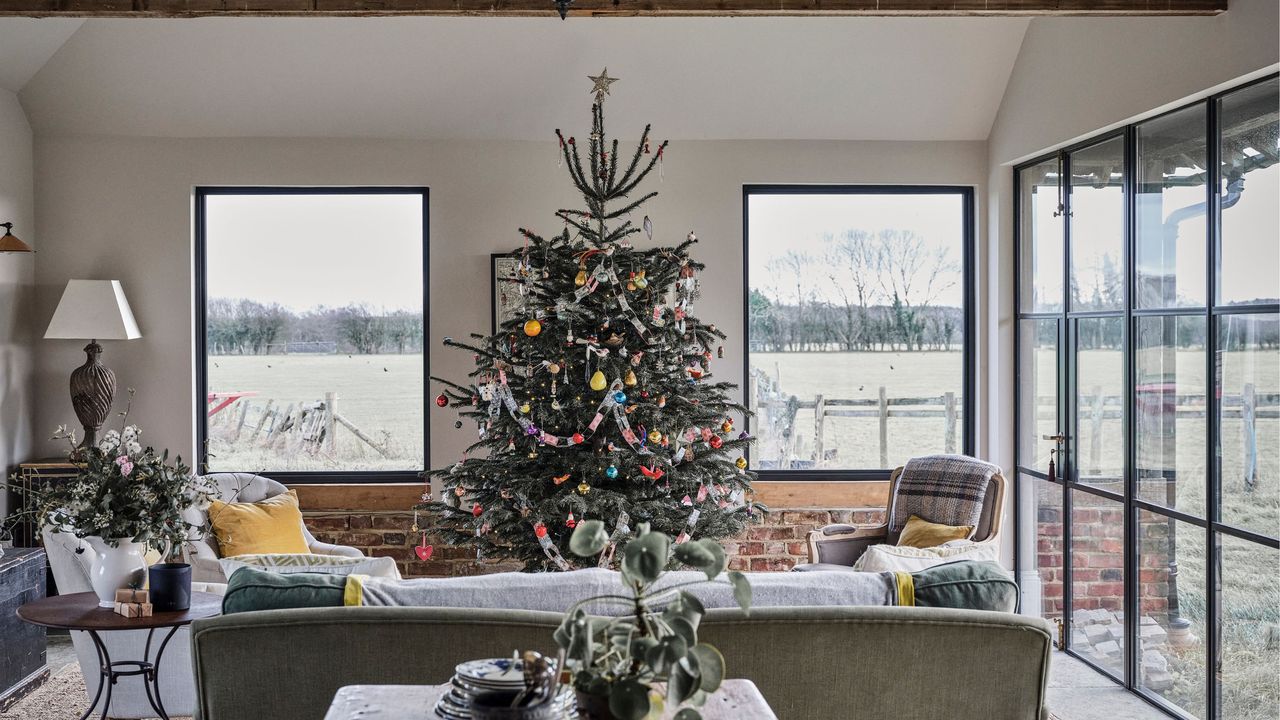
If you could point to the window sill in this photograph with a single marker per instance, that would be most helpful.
(791, 494)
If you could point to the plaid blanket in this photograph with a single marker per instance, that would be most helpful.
(947, 489)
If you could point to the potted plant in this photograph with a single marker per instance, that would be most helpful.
(126, 498)
(629, 666)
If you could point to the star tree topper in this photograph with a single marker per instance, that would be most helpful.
(602, 83)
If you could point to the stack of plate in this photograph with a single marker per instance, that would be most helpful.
(479, 676)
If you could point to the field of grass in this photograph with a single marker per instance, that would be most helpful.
(380, 394)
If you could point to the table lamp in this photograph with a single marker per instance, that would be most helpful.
(92, 310)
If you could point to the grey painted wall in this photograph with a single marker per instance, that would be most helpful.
(16, 277)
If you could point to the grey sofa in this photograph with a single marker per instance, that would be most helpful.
(814, 663)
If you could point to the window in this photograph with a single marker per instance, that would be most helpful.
(858, 326)
(310, 326)
(1154, 386)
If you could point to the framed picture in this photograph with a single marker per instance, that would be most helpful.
(506, 293)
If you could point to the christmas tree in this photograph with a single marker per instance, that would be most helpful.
(597, 400)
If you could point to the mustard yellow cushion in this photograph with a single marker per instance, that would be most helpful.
(920, 533)
(271, 526)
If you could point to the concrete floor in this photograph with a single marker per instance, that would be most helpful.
(1078, 692)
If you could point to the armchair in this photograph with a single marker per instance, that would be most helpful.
(840, 546)
(203, 553)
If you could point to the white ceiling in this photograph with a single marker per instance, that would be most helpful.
(517, 78)
(26, 44)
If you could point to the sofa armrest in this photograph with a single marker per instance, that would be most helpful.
(844, 544)
(323, 548)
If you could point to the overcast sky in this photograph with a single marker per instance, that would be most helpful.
(782, 222)
(304, 251)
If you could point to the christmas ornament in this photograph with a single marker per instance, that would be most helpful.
(662, 401)
(715, 442)
(653, 473)
(598, 382)
(476, 510)
(655, 436)
(727, 425)
(583, 488)
(442, 400)
(741, 463)
(611, 472)
(686, 500)
(630, 379)
(577, 438)
(553, 368)
(619, 397)
(581, 278)
(540, 530)
(648, 224)
(423, 550)
(600, 84)
(702, 493)
(457, 423)
(569, 521)
(641, 281)
(524, 408)
(532, 328)
(559, 479)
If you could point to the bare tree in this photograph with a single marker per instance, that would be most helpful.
(915, 274)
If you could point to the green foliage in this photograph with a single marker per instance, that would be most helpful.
(627, 657)
(124, 491)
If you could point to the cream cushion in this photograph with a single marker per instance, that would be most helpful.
(901, 558)
(289, 563)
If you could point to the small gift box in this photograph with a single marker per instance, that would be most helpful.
(133, 595)
(133, 610)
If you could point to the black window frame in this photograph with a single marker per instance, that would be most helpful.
(1131, 503)
(968, 213)
(200, 256)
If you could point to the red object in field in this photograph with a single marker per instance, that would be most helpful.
(225, 399)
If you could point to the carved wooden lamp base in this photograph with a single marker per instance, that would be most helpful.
(93, 387)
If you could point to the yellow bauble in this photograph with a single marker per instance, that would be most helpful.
(641, 281)
(630, 379)
(584, 488)
(655, 436)
(741, 463)
(525, 408)
(553, 368)
(581, 279)
(598, 382)
(532, 328)
(727, 426)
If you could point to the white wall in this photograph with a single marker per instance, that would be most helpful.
(121, 208)
(16, 277)
(1075, 77)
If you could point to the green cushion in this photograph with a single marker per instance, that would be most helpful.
(250, 589)
(968, 584)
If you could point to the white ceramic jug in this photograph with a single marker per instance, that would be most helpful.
(113, 568)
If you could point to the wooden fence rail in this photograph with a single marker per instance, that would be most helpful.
(300, 427)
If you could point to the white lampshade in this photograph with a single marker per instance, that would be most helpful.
(93, 310)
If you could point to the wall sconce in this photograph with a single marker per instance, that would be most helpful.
(11, 244)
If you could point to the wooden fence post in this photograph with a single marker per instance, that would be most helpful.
(244, 413)
(1095, 423)
(819, 414)
(884, 428)
(1249, 427)
(950, 403)
(262, 420)
(330, 424)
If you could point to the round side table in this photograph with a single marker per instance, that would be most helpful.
(80, 611)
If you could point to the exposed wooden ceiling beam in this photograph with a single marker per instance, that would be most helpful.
(604, 8)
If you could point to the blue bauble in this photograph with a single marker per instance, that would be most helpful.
(619, 397)
(611, 472)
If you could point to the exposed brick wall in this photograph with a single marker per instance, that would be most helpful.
(777, 543)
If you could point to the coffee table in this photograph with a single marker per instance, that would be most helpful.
(80, 611)
(735, 700)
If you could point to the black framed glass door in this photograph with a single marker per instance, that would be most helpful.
(1148, 402)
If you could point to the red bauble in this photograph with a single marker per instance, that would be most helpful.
(577, 438)
(441, 400)
(716, 442)
(476, 510)
(540, 530)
